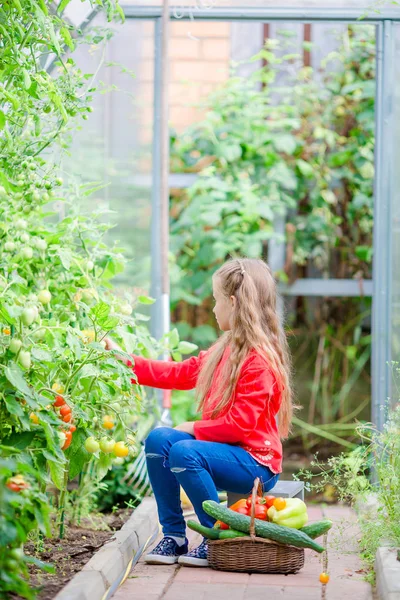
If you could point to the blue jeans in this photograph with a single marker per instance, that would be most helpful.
(176, 458)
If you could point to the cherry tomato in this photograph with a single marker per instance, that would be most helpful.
(121, 450)
(59, 401)
(13, 487)
(260, 511)
(58, 388)
(34, 418)
(72, 428)
(243, 510)
(92, 445)
(15, 345)
(108, 422)
(269, 501)
(220, 525)
(66, 418)
(324, 578)
(68, 440)
(107, 445)
(279, 503)
(44, 296)
(65, 410)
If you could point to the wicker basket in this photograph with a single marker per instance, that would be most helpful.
(254, 554)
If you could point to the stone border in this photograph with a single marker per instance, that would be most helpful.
(387, 569)
(103, 574)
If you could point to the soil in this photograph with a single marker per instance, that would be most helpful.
(71, 553)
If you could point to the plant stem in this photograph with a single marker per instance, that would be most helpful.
(61, 507)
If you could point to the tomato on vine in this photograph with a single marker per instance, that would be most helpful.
(121, 449)
(92, 445)
(65, 410)
(108, 422)
(59, 401)
(68, 440)
(107, 445)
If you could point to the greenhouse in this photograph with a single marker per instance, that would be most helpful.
(200, 299)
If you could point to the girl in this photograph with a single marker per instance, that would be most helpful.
(242, 382)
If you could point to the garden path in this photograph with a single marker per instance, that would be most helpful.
(147, 582)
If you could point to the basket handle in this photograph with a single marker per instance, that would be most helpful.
(257, 489)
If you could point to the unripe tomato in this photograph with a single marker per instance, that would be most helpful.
(65, 410)
(68, 440)
(66, 418)
(116, 406)
(58, 388)
(118, 461)
(15, 345)
(126, 309)
(59, 180)
(324, 578)
(44, 296)
(59, 401)
(9, 246)
(41, 244)
(88, 335)
(90, 265)
(34, 418)
(27, 252)
(24, 358)
(121, 450)
(107, 445)
(28, 316)
(92, 445)
(108, 422)
(21, 224)
(24, 238)
(61, 438)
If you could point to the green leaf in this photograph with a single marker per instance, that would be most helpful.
(186, 348)
(2, 119)
(20, 440)
(62, 6)
(173, 337)
(5, 315)
(66, 36)
(305, 168)
(57, 471)
(65, 257)
(104, 464)
(73, 344)
(13, 406)
(15, 376)
(145, 300)
(77, 454)
(177, 356)
(285, 143)
(42, 355)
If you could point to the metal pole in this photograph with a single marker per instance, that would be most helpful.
(164, 129)
(382, 235)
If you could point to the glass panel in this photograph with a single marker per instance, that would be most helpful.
(114, 144)
(396, 228)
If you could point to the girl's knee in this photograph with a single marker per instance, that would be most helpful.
(156, 440)
(182, 454)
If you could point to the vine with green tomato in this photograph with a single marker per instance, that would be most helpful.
(68, 406)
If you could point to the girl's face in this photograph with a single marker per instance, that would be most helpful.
(223, 307)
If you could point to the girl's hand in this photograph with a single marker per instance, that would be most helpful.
(110, 344)
(187, 427)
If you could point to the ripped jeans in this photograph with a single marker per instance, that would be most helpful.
(176, 458)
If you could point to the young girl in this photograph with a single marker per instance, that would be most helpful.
(242, 382)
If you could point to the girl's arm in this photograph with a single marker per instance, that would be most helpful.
(161, 374)
(253, 392)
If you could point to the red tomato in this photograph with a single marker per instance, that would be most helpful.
(59, 401)
(68, 440)
(269, 501)
(13, 487)
(261, 511)
(259, 500)
(67, 417)
(72, 428)
(65, 410)
(243, 510)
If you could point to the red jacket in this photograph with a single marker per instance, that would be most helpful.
(249, 421)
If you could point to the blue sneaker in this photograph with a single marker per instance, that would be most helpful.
(166, 552)
(196, 557)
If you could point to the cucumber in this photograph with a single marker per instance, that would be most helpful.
(229, 534)
(208, 532)
(314, 530)
(278, 533)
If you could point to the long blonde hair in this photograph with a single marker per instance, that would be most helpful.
(254, 325)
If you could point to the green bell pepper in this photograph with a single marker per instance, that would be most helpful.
(293, 515)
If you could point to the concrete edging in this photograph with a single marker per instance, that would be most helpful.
(104, 572)
(387, 569)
